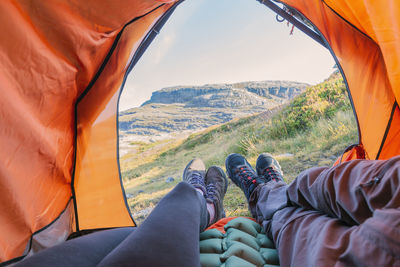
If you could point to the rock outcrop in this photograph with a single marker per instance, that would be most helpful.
(228, 95)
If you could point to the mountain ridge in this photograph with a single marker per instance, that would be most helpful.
(200, 95)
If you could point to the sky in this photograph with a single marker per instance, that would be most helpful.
(224, 41)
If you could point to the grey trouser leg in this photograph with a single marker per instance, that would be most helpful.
(168, 237)
(347, 215)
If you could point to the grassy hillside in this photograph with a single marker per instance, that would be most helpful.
(313, 130)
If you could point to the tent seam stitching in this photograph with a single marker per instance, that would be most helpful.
(388, 126)
(348, 22)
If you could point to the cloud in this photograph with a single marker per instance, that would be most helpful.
(162, 48)
(168, 35)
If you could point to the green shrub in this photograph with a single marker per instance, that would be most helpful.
(320, 101)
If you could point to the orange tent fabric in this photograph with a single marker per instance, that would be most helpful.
(97, 143)
(364, 39)
(51, 53)
(63, 65)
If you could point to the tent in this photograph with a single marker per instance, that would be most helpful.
(63, 65)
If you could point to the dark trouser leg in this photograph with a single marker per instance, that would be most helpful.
(322, 227)
(311, 238)
(351, 191)
(168, 237)
(87, 250)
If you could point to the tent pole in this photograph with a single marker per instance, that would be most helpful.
(311, 33)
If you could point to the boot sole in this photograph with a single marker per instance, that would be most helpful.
(187, 166)
(184, 171)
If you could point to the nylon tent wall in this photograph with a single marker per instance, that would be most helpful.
(63, 65)
(364, 38)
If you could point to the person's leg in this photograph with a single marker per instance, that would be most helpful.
(87, 250)
(169, 236)
(351, 191)
(313, 221)
(307, 237)
(255, 184)
(311, 238)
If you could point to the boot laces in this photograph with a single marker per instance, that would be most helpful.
(211, 191)
(196, 179)
(271, 174)
(247, 176)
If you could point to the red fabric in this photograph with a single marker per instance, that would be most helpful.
(219, 225)
(356, 152)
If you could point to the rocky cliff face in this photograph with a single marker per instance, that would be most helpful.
(228, 95)
(189, 108)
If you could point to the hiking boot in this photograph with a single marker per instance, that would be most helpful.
(268, 168)
(242, 173)
(194, 174)
(216, 186)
